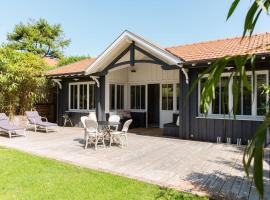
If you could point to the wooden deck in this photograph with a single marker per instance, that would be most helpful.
(197, 167)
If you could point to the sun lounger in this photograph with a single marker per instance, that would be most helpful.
(8, 127)
(34, 119)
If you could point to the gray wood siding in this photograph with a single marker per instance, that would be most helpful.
(208, 129)
(63, 100)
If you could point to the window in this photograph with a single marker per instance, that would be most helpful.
(91, 98)
(246, 104)
(112, 96)
(116, 96)
(261, 98)
(177, 96)
(220, 103)
(167, 96)
(137, 97)
(81, 96)
(243, 101)
(73, 97)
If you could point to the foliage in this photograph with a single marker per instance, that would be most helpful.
(21, 80)
(24, 176)
(38, 37)
(254, 151)
(253, 14)
(70, 59)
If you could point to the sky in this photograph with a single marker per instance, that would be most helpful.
(93, 24)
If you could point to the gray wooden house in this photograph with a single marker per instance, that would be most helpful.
(151, 82)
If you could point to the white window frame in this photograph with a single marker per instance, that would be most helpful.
(174, 97)
(145, 98)
(78, 96)
(230, 103)
(115, 96)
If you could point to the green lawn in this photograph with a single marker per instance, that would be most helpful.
(24, 176)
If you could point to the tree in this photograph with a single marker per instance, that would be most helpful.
(254, 151)
(21, 80)
(71, 59)
(38, 37)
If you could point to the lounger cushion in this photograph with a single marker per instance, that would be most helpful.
(5, 125)
(46, 124)
(10, 127)
(3, 116)
(33, 117)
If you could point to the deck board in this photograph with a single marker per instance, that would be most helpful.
(192, 166)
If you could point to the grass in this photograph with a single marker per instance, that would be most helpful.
(24, 176)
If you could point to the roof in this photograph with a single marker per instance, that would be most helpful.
(256, 44)
(197, 52)
(73, 68)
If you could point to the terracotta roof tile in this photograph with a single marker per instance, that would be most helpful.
(202, 51)
(209, 50)
(73, 68)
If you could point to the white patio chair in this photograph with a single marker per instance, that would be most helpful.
(118, 136)
(114, 118)
(92, 116)
(93, 135)
(83, 118)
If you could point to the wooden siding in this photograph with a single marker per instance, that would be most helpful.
(208, 129)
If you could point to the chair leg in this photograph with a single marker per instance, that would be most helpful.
(96, 144)
(46, 129)
(35, 128)
(121, 141)
(86, 143)
(9, 134)
(126, 140)
(111, 138)
(103, 142)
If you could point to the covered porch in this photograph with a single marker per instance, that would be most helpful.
(132, 78)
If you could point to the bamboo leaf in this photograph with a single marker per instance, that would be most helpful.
(249, 18)
(232, 8)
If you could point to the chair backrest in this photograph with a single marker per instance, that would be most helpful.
(83, 118)
(126, 125)
(3, 116)
(91, 125)
(114, 118)
(33, 116)
(3, 119)
(92, 116)
(177, 121)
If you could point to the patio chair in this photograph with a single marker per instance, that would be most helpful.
(177, 121)
(93, 135)
(67, 119)
(114, 118)
(7, 127)
(92, 116)
(34, 119)
(120, 135)
(83, 118)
